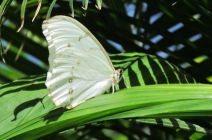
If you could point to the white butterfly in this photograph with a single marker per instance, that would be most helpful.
(79, 67)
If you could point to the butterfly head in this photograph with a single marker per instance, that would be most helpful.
(117, 76)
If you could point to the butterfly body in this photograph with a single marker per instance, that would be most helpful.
(79, 67)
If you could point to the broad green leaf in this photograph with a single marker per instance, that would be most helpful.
(31, 105)
(141, 69)
(30, 114)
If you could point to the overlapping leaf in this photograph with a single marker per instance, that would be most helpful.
(29, 113)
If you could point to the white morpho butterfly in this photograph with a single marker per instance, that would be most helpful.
(79, 67)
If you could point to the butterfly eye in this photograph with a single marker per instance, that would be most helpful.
(120, 74)
(121, 71)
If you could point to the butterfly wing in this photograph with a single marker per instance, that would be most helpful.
(79, 67)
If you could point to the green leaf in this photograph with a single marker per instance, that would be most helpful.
(4, 5)
(143, 69)
(30, 114)
(30, 107)
(23, 9)
(50, 9)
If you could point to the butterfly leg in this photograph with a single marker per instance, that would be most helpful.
(113, 88)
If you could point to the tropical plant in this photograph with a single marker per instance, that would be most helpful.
(159, 98)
